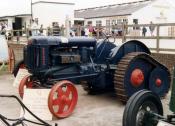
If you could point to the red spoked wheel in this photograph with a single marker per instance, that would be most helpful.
(62, 99)
(26, 82)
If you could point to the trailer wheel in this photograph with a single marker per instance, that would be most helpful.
(26, 82)
(18, 65)
(140, 103)
(62, 99)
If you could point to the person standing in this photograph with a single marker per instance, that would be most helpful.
(34, 28)
(56, 29)
(151, 28)
(49, 31)
(144, 30)
(41, 30)
(91, 29)
(62, 29)
(86, 31)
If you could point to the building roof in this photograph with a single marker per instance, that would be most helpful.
(111, 10)
(19, 15)
(52, 2)
(14, 8)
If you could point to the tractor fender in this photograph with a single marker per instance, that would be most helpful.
(103, 49)
(128, 47)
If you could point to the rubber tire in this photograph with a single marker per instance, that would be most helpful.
(134, 103)
(16, 67)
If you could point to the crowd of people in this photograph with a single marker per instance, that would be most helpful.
(151, 28)
(114, 30)
(87, 31)
(77, 30)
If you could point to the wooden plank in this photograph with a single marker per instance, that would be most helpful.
(158, 39)
(147, 25)
(141, 37)
(162, 49)
(147, 37)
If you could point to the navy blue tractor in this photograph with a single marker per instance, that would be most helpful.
(59, 63)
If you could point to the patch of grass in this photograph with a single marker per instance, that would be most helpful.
(3, 69)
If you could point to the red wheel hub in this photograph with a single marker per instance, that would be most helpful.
(62, 99)
(158, 82)
(137, 77)
(26, 82)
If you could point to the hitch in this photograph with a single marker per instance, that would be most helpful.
(21, 120)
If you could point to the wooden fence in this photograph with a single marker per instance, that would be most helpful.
(125, 33)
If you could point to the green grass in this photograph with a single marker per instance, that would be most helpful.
(3, 69)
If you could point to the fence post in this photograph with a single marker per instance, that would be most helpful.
(158, 39)
(123, 33)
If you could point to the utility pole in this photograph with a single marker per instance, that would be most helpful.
(31, 4)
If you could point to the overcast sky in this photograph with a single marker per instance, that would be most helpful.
(12, 7)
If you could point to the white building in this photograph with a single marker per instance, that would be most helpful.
(46, 12)
(142, 12)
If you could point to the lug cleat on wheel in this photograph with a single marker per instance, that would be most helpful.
(62, 99)
(26, 82)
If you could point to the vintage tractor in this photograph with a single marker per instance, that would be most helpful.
(144, 108)
(98, 66)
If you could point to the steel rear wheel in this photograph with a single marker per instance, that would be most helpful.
(62, 99)
(131, 75)
(137, 71)
(138, 105)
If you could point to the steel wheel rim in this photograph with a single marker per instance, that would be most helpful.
(61, 102)
(26, 82)
(146, 107)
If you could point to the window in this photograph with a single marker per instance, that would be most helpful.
(135, 21)
(99, 23)
(113, 22)
(125, 21)
(108, 23)
(119, 21)
(89, 22)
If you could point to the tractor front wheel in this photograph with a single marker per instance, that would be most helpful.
(62, 99)
(26, 82)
